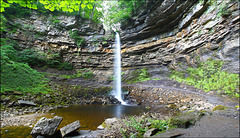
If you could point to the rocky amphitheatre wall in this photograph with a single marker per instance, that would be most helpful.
(168, 33)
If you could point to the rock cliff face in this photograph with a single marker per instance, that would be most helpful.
(201, 30)
(55, 34)
(165, 34)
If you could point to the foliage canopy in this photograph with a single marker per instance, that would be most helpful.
(62, 5)
(85, 8)
(109, 12)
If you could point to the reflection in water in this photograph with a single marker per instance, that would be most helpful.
(118, 111)
(91, 116)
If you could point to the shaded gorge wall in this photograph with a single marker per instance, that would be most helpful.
(163, 36)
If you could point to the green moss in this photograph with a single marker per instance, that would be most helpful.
(186, 119)
(84, 73)
(139, 75)
(13, 98)
(104, 125)
(219, 107)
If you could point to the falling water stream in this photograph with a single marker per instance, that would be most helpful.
(117, 70)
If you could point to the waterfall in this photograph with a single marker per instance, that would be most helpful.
(117, 70)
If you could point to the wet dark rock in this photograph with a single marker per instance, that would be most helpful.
(114, 100)
(12, 104)
(96, 101)
(70, 128)
(46, 127)
(83, 132)
(40, 136)
(23, 103)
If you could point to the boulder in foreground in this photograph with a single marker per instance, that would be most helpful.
(46, 127)
(70, 128)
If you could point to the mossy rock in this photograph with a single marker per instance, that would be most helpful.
(219, 107)
(13, 98)
(38, 100)
(186, 119)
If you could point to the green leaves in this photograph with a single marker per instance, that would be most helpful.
(120, 11)
(208, 76)
(77, 39)
(139, 125)
(64, 5)
(139, 75)
(4, 5)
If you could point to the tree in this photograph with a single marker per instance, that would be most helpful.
(119, 11)
(88, 8)
(61, 5)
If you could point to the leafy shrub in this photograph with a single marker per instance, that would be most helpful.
(140, 125)
(121, 11)
(15, 10)
(3, 21)
(161, 125)
(16, 73)
(31, 57)
(208, 76)
(87, 74)
(22, 78)
(77, 39)
(56, 21)
(34, 58)
(8, 53)
(136, 126)
(139, 75)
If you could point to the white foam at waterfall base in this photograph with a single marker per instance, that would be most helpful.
(117, 71)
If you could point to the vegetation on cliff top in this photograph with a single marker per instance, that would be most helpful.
(119, 11)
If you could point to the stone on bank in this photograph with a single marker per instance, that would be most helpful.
(46, 127)
(70, 128)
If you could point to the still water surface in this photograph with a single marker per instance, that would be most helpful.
(90, 117)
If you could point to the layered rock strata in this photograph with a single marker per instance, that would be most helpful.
(168, 33)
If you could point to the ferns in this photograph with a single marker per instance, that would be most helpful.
(208, 76)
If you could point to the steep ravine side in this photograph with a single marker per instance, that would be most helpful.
(194, 30)
(210, 35)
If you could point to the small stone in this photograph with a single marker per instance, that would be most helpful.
(100, 127)
(183, 108)
(148, 124)
(70, 128)
(22, 102)
(150, 132)
(109, 122)
(172, 106)
(219, 107)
